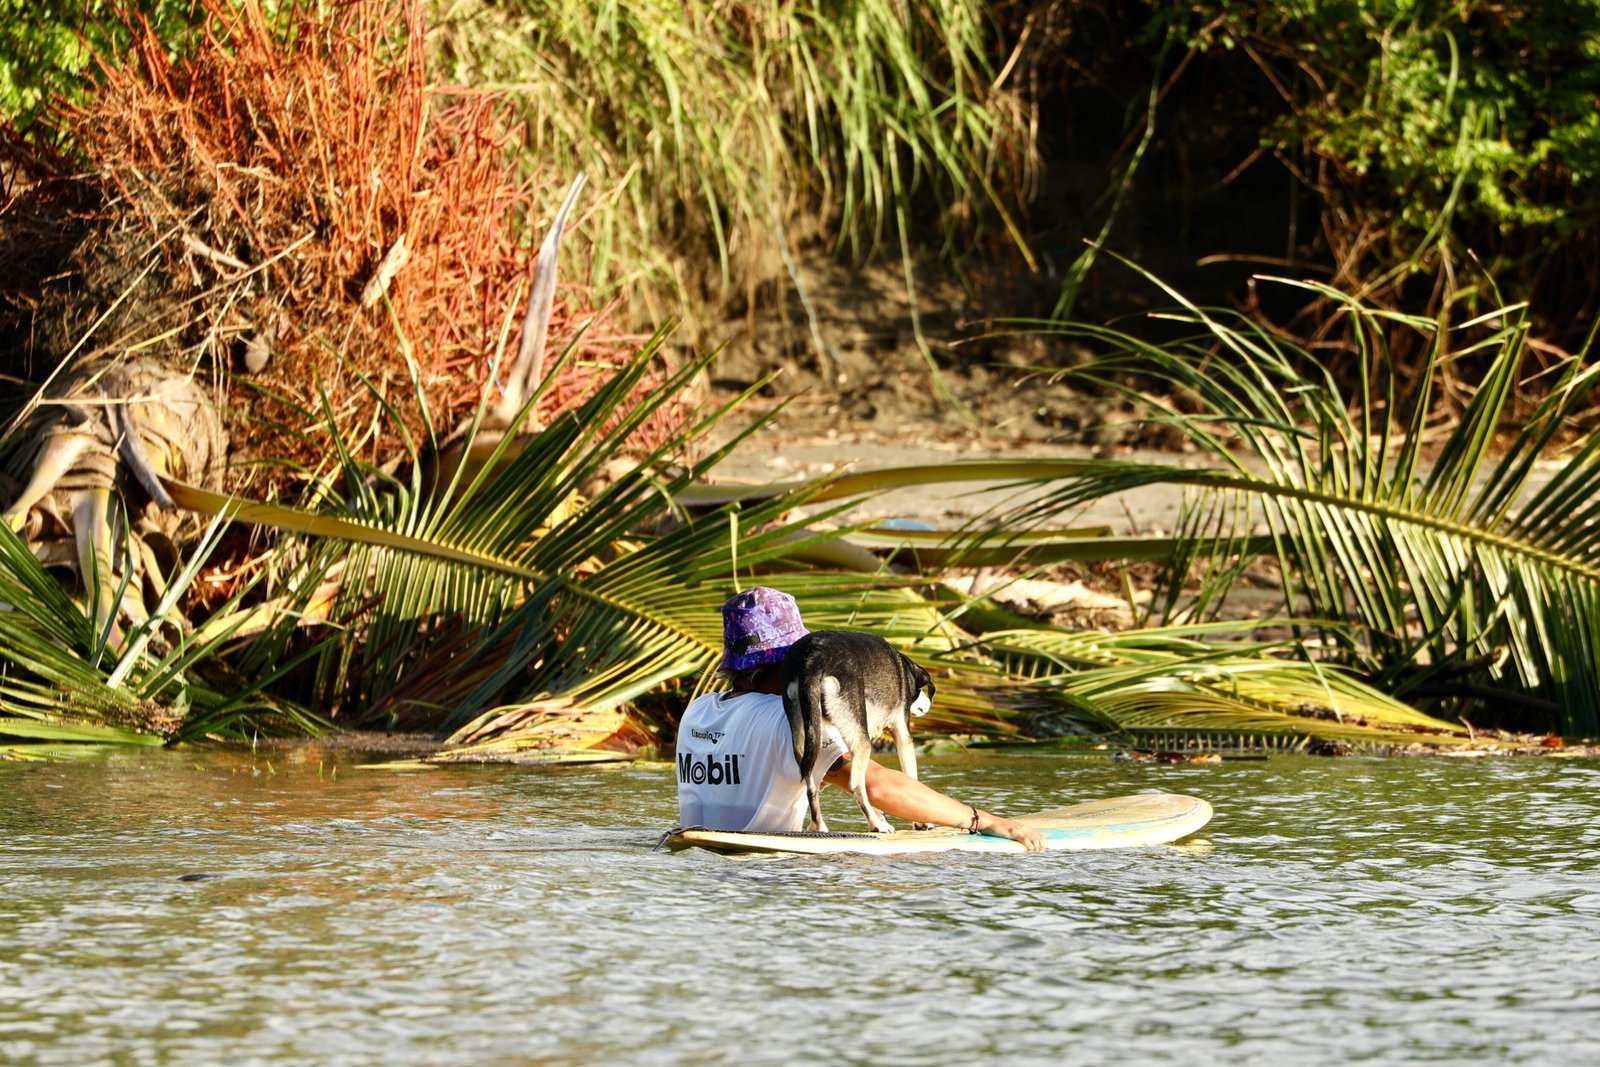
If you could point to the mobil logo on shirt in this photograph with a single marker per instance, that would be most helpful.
(707, 769)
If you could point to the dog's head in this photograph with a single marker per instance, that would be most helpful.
(924, 683)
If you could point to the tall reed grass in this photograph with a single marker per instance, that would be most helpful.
(730, 134)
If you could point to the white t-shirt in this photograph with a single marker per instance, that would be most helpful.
(736, 766)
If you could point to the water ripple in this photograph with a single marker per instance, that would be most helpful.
(169, 908)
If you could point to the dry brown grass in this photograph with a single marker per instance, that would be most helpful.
(263, 178)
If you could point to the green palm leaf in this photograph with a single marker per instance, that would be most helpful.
(1485, 553)
(1173, 686)
(61, 681)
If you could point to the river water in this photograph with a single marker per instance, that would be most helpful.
(290, 907)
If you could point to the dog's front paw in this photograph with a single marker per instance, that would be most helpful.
(880, 825)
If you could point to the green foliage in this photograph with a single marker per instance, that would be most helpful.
(1472, 120)
(47, 46)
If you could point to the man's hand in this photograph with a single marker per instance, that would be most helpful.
(1030, 838)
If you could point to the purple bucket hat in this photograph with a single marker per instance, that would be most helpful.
(758, 626)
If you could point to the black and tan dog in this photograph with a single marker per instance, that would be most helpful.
(859, 684)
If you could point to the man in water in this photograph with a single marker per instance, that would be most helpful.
(736, 764)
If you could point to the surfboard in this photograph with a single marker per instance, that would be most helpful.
(1114, 822)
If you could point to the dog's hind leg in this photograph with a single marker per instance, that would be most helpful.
(814, 799)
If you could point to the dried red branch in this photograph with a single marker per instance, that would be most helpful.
(327, 125)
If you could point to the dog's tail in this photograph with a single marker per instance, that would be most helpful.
(802, 704)
(792, 705)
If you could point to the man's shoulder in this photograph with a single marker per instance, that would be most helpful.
(745, 710)
(735, 703)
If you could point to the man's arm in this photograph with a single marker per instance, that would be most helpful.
(902, 796)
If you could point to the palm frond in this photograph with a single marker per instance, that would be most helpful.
(537, 585)
(1043, 682)
(1487, 551)
(62, 681)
